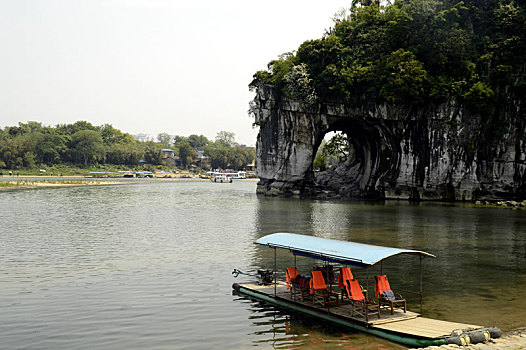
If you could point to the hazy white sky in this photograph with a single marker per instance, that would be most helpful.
(146, 66)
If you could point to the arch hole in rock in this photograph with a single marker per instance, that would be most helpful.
(350, 160)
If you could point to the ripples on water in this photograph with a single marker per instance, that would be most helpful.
(148, 265)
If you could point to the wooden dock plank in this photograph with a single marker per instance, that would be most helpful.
(424, 327)
(342, 309)
(281, 286)
(406, 323)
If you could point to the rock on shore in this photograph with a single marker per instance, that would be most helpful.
(514, 340)
(505, 204)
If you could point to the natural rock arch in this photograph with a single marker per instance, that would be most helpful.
(403, 152)
(374, 158)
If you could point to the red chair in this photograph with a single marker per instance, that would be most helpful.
(385, 295)
(360, 305)
(319, 291)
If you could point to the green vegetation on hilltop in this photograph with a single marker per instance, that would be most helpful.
(412, 52)
(64, 147)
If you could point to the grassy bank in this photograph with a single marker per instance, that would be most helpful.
(70, 170)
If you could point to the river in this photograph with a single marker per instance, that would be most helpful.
(148, 265)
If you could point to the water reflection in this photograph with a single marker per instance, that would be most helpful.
(478, 276)
(148, 265)
(282, 330)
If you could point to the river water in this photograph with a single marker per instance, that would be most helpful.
(148, 265)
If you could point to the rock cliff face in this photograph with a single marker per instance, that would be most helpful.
(400, 152)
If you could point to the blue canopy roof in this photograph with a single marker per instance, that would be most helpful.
(334, 250)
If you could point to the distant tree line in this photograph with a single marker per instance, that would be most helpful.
(81, 144)
(224, 152)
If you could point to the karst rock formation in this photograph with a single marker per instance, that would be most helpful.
(399, 151)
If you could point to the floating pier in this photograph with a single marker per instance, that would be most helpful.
(396, 324)
(406, 328)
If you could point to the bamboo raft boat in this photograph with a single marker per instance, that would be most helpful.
(379, 318)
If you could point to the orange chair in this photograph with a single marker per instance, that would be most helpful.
(291, 274)
(319, 291)
(345, 275)
(298, 284)
(385, 295)
(360, 305)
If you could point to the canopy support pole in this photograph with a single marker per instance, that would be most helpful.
(421, 291)
(275, 270)
(367, 286)
(330, 287)
(381, 267)
(295, 265)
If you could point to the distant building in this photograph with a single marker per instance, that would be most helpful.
(251, 167)
(142, 137)
(167, 153)
(168, 156)
(203, 161)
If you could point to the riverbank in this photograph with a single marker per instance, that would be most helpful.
(19, 184)
(513, 340)
(111, 175)
(23, 182)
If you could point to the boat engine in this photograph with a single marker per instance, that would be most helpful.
(265, 277)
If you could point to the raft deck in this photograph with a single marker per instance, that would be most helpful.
(406, 324)
(408, 328)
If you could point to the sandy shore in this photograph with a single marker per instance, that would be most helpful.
(27, 181)
(181, 176)
(7, 185)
